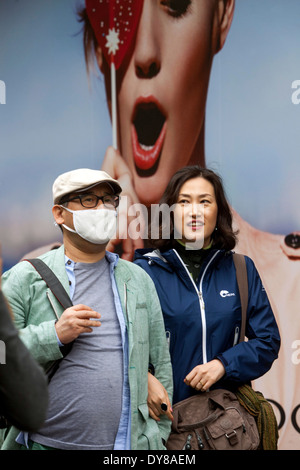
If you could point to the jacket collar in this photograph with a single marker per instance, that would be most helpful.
(170, 261)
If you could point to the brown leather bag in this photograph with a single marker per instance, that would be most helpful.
(212, 420)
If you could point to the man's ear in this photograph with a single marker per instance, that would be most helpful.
(57, 212)
(224, 19)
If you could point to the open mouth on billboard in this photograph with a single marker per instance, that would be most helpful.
(148, 133)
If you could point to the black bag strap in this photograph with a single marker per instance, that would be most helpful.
(242, 280)
(52, 281)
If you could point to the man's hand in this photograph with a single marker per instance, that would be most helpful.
(74, 321)
(115, 165)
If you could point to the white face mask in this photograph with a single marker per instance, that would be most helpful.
(96, 226)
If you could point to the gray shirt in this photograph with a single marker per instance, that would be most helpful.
(86, 391)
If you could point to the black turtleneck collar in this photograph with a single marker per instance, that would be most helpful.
(193, 259)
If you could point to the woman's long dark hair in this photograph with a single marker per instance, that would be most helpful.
(224, 237)
(89, 39)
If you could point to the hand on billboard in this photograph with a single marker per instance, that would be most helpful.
(129, 209)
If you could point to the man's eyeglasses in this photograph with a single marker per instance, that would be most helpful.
(90, 201)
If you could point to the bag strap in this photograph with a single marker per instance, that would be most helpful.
(60, 293)
(52, 281)
(242, 280)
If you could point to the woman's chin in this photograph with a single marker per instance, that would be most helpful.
(195, 241)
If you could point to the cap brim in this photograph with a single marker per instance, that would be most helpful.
(115, 187)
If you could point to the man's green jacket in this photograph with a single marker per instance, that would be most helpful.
(33, 306)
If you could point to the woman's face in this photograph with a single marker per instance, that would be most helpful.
(195, 214)
(162, 91)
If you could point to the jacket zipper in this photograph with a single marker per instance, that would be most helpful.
(168, 336)
(201, 301)
(236, 335)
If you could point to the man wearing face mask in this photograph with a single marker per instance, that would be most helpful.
(98, 394)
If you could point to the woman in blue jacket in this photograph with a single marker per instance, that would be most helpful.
(194, 274)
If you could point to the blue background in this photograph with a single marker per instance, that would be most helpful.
(54, 120)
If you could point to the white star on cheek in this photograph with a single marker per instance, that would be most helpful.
(112, 41)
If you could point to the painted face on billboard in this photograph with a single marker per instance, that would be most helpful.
(162, 88)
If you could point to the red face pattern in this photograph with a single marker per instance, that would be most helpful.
(114, 23)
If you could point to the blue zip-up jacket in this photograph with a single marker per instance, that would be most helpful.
(203, 321)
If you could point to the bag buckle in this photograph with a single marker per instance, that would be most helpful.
(232, 437)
